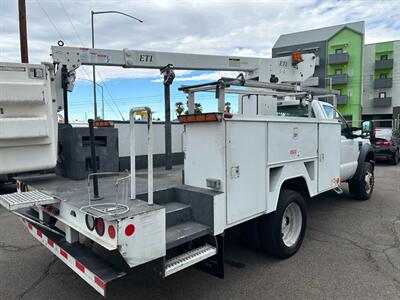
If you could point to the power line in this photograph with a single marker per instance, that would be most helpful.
(50, 20)
(70, 21)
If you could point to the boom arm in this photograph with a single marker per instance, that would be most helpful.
(263, 68)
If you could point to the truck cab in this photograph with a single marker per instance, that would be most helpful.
(353, 146)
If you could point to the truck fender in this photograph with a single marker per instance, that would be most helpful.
(366, 155)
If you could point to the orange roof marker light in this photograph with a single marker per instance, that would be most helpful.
(206, 117)
(297, 57)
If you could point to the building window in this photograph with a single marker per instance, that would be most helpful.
(384, 57)
(338, 72)
(382, 95)
(339, 51)
(383, 76)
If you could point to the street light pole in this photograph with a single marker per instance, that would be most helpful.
(94, 74)
(92, 13)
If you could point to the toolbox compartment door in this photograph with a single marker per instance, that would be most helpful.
(246, 169)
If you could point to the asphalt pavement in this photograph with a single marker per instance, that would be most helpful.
(351, 251)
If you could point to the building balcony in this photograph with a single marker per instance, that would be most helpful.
(339, 79)
(339, 58)
(382, 102)
(384, 64)
(383, 83)
(342, 99)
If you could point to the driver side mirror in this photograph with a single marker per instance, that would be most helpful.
(368, 128)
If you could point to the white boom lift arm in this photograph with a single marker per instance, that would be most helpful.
(275, 70)
(282, 68)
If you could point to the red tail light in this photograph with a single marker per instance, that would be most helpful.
(384, 143)
(130, 229)
(100, 227)
(111, 231)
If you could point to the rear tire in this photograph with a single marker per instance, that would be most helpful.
(282, 232)
(362, 188)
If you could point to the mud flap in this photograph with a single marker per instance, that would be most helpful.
(214, 265)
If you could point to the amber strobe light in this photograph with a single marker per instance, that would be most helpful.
(296, 57)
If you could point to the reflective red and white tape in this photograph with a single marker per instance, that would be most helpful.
(64, 256)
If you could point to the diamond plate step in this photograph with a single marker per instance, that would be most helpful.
(188, 259)
(16, 201)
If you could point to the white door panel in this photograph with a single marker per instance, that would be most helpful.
(348, 157)
(329, 155)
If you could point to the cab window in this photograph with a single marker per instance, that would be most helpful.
(329, 111)
(332, 113)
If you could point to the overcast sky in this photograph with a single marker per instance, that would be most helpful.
(248, 28)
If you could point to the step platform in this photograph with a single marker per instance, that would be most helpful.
(17, 200)
(188, 259)
(185, 232)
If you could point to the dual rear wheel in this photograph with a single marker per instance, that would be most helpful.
(281, 233)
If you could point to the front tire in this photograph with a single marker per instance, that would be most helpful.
(362, 187)
(395, 158)
(282, 232)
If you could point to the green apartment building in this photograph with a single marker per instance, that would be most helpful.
(367, 76)
(340, 52)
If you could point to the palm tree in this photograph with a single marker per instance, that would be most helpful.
(179, 108)
(197, 108)
(227, 107)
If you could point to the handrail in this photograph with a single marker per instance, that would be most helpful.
(149, 152)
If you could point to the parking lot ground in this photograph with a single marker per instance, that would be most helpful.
(351, 251)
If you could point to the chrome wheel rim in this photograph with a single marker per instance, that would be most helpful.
(292, 221)
(369, 182)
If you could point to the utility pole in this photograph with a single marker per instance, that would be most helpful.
(23, 38)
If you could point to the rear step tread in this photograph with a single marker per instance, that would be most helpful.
(177, 212)
(188, 259)
(179, 234)
(17, 200)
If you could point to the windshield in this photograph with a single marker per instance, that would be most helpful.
(383, 133)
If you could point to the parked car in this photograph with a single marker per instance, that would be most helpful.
(386, 145)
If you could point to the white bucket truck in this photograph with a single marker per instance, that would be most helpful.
(260, 165)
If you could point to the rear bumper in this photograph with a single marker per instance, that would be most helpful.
(88, 265)
(382, 153)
